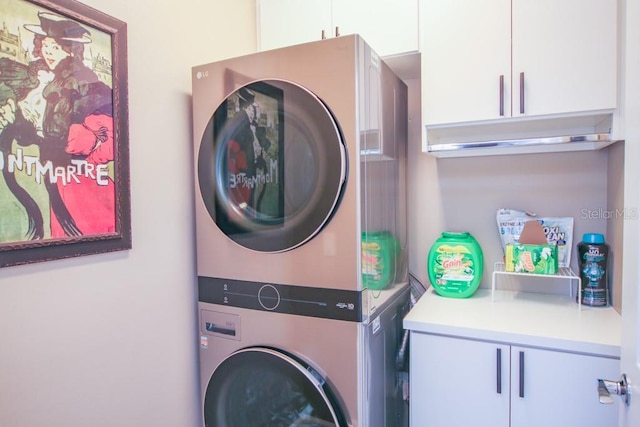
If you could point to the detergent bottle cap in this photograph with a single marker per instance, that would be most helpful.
(593, 238)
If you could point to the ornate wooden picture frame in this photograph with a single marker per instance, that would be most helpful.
(64, 157)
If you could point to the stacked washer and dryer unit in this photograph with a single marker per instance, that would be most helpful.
(291, 333)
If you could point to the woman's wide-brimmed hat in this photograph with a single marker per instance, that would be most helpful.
(58, 27)
(245, 96)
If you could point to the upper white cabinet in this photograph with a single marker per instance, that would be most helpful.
(388, 26)
(465, 50)
(288, 22)
(503, 59)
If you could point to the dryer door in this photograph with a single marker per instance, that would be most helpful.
(263, 387)
(272, 165)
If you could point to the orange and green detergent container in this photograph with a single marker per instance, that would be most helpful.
(380, 254)
(455, 265)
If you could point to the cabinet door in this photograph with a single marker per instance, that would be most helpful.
(388, 26)
(457, 383)
(466, 49)
(556, 389)
(287, 22)
(567, 52)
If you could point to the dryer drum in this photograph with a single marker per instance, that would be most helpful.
(263, 387)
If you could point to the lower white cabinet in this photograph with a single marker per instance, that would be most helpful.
(461, 382)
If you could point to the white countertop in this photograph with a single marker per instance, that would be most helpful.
(520, 318)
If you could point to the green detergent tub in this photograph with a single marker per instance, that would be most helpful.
(455, 265)
(380, 250)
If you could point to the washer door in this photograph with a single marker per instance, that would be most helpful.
(272, 166)
(262, 387)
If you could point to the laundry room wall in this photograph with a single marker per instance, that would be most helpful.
(110, 340)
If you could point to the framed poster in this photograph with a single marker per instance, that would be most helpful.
(248, 135)
(64, 162)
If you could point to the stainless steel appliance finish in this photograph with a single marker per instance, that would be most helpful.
(348, 367)
(280, 283)
(365, 106)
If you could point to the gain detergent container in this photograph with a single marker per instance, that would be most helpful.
(380, 250)
(455, 265)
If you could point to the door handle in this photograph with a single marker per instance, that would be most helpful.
(501, 102)
(607, 387)
(521, 93)
(521, 375)
(499, 371)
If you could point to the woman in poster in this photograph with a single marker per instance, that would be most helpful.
(66, 111)
(241, 152)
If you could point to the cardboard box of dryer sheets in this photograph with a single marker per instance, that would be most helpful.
(532, 254)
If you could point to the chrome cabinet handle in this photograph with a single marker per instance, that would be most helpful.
(499, 370)
(607, 387)
(502, 95)
(521, 93)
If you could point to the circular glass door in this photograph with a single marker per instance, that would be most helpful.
(261, 387)
(272, 165)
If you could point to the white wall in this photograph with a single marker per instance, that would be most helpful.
(110, 340)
